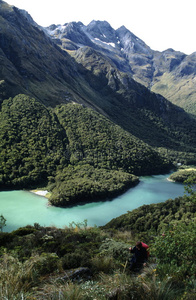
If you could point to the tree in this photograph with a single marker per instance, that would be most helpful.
(190, 186)
(2, 222)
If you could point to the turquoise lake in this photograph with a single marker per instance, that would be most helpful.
(21, 208)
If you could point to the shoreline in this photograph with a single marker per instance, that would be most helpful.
(40, 193)
(171, 180)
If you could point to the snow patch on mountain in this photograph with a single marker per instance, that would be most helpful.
(109, 44)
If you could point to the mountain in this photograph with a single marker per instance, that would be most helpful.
(34, 64)
(43, 85)
(169, 73)
(31, 63)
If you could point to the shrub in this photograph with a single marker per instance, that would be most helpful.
(5, 238)
(44, 264)
(176, 251)
(117, 250)
(101, 263)
(75, 260)
(24, 231)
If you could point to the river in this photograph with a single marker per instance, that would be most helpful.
(21, 208)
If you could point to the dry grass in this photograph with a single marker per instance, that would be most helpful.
(16, 278)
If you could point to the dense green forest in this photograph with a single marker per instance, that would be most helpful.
(99, 142)
(84, 263)
(155, 217)
(32, 142)
(182, 175)
(74, 152)
(87, 184)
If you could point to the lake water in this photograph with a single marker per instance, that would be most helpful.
(21, 208)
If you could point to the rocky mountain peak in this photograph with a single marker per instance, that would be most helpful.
(154, 69)
(131, 43)
(72, 31)
(101, 30)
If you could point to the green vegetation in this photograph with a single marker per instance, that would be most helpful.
(84, 183)
(74, 152)
(38, 262)
(2, 222)
(80, 155)
(155, 217)
(176, 251)
(174, 88)
(32, 143)
(188, 177)
(183, 174)
(95, 140)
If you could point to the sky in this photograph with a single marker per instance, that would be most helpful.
(161, 24)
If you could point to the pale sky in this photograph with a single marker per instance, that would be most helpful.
(161, 24)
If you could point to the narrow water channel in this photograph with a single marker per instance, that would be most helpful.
(21, 208)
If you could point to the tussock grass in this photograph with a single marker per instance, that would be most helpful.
(16, 278)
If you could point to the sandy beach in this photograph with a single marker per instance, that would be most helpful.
(40, 192)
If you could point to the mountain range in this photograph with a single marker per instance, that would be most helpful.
(169, 73)
(71, 70)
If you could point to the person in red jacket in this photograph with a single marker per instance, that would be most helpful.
(140, 256)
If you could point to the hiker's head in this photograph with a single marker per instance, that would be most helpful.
(138, 245)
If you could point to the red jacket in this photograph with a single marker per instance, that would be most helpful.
(146, 247)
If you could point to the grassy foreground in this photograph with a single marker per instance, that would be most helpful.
(36, 262)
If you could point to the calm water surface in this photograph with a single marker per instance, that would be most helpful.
(21, 207)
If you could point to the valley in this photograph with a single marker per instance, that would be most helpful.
(72, 115)
(91, 114)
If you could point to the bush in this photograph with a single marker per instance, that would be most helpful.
(117, 250)
(176, 251)
(75, 260)
(101, 263)
(6, 238)
(44, 264)
(24, 231)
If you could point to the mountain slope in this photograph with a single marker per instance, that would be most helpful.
(170, 73)
(78, 152)
(160, 216)
(33, 63)
(32, 143)
(177, 82)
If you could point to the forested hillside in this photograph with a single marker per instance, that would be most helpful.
(75, 152)
(102, 157)
(155, 217)
(32, 143)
